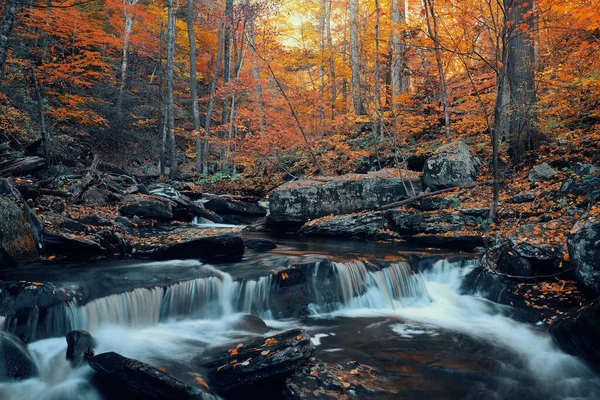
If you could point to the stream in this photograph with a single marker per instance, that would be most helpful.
(400, 310)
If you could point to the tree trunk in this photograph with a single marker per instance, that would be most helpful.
(227, 54)
(356, 88)
(170, 99)
(40, 103)
(193, 83)
(124, 59)
(332, 77)
(161, 112)
(433, 34)
(6, 26)
(256, 77)
(378, 117)
(211, 101)
(322, 64)
(399, 73)
(524, 134)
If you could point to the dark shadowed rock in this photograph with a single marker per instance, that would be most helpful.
(224, 205)
(259, 245)
(142, 381)
(78, 343)
(300, 201)
(259, 364)
(68, 245)
(584, 251)
(523, 198)
(147, 207)
(436, 203)
(414, 222)
(578, 333)
(579, 181)
(251, 323)
(63, 223)
(15, 360)
(416, 162)
(191, 243)
(95, 197)
(511, 263)
(451, 165)
(361, 225)
(324, 381)
(541, 173)
(94, 220)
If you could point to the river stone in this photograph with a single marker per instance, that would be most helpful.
(451, 165)
(541, 173)
(584, 251)
(259, 245)
(361, 225)
(579, 181)
(147, 207)
(143, 381)
(71, 246)
(251, 323)
(252, 366)
(78, 343)
(95, 197)
(15, 360)
(300, 201)
(578, 333)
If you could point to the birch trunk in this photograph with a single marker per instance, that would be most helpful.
(170, 99)
(356, 88)
(193, 82)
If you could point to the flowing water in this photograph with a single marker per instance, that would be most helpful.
(400, 312)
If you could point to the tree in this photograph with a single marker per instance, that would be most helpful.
(124, 60)
(356, 87)
(6, 27)
(194, 83)
(170, 83)
(399, 73)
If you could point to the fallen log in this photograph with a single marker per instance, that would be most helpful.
(21, 166)
(427, 195)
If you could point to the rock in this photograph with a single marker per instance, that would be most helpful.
(125, 223)
(362, 225)
(416, 162)
(163, 190)
(451, 165)
(541, 173)
(523, 198)
(437, 203)
(191, 243)
(251, 323)
(17, 240)
(540, 243)
(477, 212)
(137, 221)
(63, 223)
(94, 220)
(95, 197)
(317, 381)
(113, 242)
(78, 343)
(71, 246)
(579, 181)
(511, 263)
(299, 201)
(223, 205)
(142, 381)
(147, 207)
(578, 333)
(584, 250)
(410, 222)
(254, 365)
(259, 245)
(15, 360)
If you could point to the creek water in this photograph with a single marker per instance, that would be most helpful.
(408, 320)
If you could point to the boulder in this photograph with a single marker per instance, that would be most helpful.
(71, 246)
(584, 250)
(78, 345)
(147, 207)
(95, 197)
(361, 225)
(578, 333)
(417, 162)
(541, 173)
(437, 203)
(15, 360)
(523, 198)
(297, 202)
(259, 245)
(63, 223)
(191, 243)
(251, 323)
(255, 365)
(224, 205)
(163, 190)
(142, 381)
(317, 381)
(580, 181)
(94, 220)
(19, 228)
(511, 263)
(410, 222)
(451, 165)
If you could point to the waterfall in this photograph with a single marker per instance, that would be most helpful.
(395, 286)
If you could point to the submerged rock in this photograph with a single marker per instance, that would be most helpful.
(15, 360)
(318, 381)
(78, 345)
(578, 333)
(142, 381)
(541, 173)
(251, 323)
(585, 252)
(257, 365)
(451, 165)
(260, 245)
(303, 200)
(362, 224)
